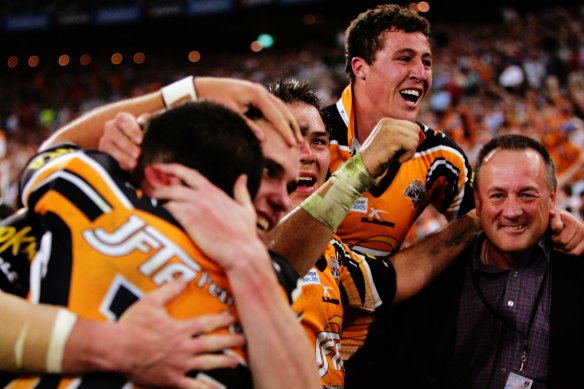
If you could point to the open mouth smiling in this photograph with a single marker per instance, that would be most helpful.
(410, 95)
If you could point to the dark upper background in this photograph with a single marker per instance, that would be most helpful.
(33, 25)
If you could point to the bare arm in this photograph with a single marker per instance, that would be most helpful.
(239, 95)
(416, 266)
(303, 233)
(273, 333)
(147, 345)
(87, 129)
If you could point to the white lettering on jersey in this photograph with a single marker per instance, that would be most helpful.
(136, 234)
(375, 213)
(360, 205)
(311, 278)
(328, 346)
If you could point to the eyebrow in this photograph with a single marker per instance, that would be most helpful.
(318, 134)
(275, 166)
(322, 133)
(413, 52)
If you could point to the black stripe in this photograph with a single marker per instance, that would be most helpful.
(81, 199)
(49, 381)
(102, 380)
(72, 192)
(55, 286)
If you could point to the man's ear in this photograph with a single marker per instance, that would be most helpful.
(155, 178)
(477, 200)
(360, 67)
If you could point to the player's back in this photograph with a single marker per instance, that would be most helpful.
(104, 245)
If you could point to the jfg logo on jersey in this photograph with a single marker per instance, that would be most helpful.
(136, 234)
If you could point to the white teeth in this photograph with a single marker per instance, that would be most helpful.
(514, 227)
(263, 224)
(412, 92)
(305, 181)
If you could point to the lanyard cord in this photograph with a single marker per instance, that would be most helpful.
(505, 322)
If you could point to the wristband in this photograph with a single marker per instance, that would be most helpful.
(331, 204)
(34, 336)
(61, 329)
(179, 92)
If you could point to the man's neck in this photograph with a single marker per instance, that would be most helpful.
(491, 256)
(365, 115)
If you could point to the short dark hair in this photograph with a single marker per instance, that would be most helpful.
(291, 91)
(363, 36)
(205, 136)
(516, 142)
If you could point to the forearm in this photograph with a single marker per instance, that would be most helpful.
(88, 129)
(33, 336)
(273, 333)
(95, 346)
(300, 238)
(417, 265)
(303, 234)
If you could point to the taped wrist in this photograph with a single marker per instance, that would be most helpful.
(179, 92)
(333, 201)
(34, 336)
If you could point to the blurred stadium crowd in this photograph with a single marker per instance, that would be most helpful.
(521, 73)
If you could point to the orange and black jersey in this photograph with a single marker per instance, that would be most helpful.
(341, 280)
(19, 240)
(438, 174)
(105, 244)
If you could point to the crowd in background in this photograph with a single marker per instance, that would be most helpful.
(521, 74)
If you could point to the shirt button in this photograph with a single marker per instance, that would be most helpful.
(510, 303)
(515, 273)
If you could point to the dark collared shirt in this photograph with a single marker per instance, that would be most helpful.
(493, 328)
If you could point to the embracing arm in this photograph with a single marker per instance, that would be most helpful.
(272, 330)
(238, 95)
(417, 265)
(146, 345)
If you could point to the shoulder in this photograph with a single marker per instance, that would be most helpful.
(65, 166)
(437, 138)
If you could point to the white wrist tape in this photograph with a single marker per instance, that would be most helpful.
(34, 335)
(61, 329)
(179, 92)
(330, 204)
